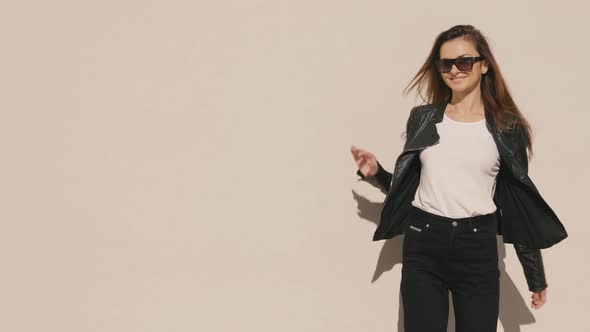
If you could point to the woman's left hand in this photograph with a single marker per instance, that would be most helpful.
(539, 299)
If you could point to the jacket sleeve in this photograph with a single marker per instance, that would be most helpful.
(382, 178)
(532, 265)
(530, 259)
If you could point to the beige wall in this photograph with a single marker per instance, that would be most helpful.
(185, 165)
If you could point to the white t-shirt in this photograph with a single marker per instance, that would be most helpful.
(458, 175)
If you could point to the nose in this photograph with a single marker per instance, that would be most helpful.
(454, 70)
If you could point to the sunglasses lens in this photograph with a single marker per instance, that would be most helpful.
(464, 63)
(444, 66)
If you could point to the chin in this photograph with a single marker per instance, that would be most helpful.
(458, 87)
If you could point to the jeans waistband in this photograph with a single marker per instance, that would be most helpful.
(471, 221)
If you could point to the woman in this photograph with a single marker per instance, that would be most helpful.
(461, 179)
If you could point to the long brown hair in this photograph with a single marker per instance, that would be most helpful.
(494, 91)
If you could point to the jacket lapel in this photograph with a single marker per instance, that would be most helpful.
(426, 134)
(503, 143)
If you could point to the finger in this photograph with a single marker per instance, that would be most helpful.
(358, 157)
(536, 301)
(364, 154)
(361, 163)
(360, 153)
(355, 155)
(355, 149)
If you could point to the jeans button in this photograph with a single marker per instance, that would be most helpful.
(475, 229)
(454, 223)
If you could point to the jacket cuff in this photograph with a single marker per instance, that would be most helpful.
(380, 172)
(532, 264)
(382, 177)
(358, 172)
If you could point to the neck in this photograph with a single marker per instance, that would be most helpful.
(469, 102)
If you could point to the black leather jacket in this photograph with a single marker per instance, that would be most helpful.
(524, 218)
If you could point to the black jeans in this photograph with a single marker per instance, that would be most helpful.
(442, 254)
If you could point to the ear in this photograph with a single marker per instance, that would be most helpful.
(484, 67)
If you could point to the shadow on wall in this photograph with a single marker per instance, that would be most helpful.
(514, 310)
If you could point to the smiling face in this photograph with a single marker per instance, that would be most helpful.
(462, 81)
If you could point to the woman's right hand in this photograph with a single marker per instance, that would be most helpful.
(365, 161)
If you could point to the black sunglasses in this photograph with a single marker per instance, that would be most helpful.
(462, 63)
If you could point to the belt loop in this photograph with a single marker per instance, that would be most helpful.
(470, 222)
